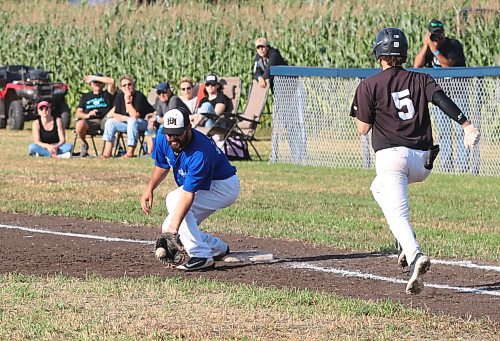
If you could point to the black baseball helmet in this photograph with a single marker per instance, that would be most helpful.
(390, 42)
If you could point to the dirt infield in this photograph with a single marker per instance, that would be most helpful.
(299, 265)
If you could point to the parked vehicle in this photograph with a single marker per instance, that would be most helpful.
(21, 88)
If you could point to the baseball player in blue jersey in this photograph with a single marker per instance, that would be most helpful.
(394, 105)
(207, 183)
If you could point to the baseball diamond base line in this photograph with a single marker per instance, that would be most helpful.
(466, 264)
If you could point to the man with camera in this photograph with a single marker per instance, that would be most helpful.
(440, 51)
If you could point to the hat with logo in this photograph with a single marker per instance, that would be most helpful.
(211, 78)
(43, 104)
(163, 87)
(261, 42)
(435, 26)
(175, 121)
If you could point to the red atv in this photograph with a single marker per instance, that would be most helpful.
(21, 88)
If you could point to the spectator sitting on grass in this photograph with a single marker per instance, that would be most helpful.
(48, 134)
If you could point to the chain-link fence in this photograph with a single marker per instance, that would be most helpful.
(312, 126)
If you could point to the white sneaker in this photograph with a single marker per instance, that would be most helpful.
(84, 150)
(418, 268)
(66, 155)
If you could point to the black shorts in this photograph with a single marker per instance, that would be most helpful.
(95, 124)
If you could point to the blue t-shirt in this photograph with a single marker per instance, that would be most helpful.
(196, 166)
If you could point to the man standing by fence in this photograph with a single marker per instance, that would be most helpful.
(438, 51)
(294, 127)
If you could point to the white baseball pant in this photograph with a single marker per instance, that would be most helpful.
(222, 193)
(397, 168)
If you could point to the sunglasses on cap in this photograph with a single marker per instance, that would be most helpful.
(161, 92)
(261, 47)
(43, 108)
(437, 24)
(211, 84)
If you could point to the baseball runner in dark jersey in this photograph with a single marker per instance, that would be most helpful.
(394, 105)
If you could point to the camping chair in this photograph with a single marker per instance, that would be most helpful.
(232, 89)
(90, 134)
(237, 130)
(152, 96)
(120, 143)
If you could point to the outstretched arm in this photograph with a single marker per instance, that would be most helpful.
(157, 177)
(471, 136)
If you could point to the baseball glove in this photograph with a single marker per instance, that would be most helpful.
(174, 254)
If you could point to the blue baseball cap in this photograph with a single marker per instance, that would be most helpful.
(163, 86)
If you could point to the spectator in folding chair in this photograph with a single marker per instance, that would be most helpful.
(93, 108)
(164, 97)
(186, 95)
(213, 105)
(48, 134)
(131, 108)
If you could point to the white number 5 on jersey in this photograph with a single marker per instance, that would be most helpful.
(402, 99)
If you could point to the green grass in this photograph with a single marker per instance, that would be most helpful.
(454, 216)
(150, 308)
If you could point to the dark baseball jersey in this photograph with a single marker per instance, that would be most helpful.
(395, 101)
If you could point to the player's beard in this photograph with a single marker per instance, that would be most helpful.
(178, 143)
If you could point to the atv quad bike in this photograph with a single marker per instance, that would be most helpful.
(21, 88)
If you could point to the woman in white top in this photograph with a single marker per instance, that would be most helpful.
(186, 93)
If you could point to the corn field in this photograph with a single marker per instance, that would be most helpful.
(172, 39)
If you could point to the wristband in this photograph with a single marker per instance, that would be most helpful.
(435, 53)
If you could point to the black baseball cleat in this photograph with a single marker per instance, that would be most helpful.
(197, 263)
(222, 255)
(418, 268)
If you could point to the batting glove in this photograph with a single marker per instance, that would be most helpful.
(471, 136)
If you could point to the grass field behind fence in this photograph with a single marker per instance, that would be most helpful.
(454, 217)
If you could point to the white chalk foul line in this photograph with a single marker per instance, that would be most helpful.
(358, 274)
(464, 263)
(77, 235)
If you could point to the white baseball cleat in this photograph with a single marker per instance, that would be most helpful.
(418, 268)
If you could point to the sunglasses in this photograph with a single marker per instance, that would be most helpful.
(126, 84)
(261, 47)
(210, 84)
(43, 108)
(186, 89)
(177, 135)
(161, 92)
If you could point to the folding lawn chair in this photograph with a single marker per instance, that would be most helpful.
(237, 131)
